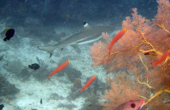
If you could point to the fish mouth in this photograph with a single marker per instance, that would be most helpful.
(143, 103)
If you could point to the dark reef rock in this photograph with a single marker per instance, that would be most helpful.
(91, 103)
(24, 75)
(7, 90)
(77, 85)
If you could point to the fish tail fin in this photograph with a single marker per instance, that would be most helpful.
(49, 49)
(29, 66)
(81, 90)
(49, 77)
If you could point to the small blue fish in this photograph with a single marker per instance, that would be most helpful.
(34, 66)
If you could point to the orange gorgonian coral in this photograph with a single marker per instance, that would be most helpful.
(131, 56)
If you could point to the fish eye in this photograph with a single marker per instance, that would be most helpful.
(133, 105)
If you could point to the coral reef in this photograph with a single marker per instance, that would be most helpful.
(41, 74)
(14, 66)
(24, 75)
(91, 103)
(77, 85)
(7, 90)
(143, 43)
(72, 73)
(55, 96)
(74, 95)
(67, 106)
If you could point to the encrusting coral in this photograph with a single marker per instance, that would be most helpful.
(144, 43)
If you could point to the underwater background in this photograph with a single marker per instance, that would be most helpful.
(125, 74)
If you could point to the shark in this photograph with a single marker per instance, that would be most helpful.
(87, 35)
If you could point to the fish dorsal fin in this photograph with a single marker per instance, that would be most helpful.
(5, 30)
(86, 25)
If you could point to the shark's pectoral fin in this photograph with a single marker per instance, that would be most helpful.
(51, 55)
(49, 49)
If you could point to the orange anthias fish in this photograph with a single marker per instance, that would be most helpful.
(88, 82)
(163, 58)
(59, 68)
(131, 105)
(116, 38)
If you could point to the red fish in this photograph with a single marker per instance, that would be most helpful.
(88, 82)
(59, 68)
(131, 105)
(116, 38)
(163, 58)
